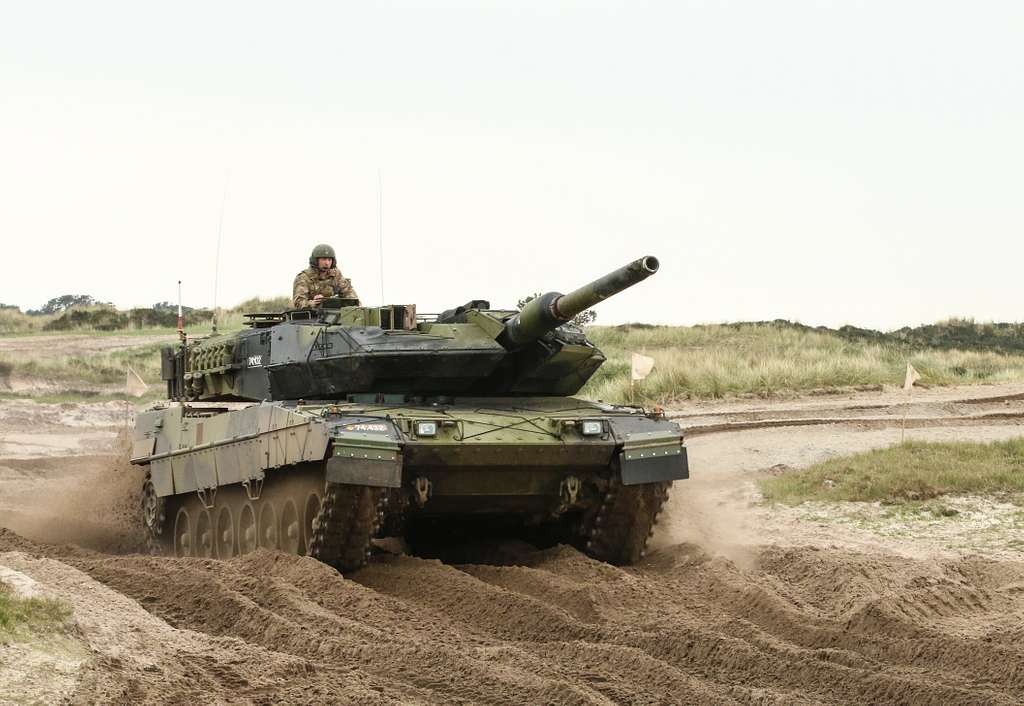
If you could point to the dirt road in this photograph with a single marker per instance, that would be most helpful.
(737, 604)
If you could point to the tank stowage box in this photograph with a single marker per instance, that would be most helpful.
(318, 431)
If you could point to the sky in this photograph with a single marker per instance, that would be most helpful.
(827, 162)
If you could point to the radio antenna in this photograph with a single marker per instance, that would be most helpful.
(220, 230)
(181, 319)
(380, 232)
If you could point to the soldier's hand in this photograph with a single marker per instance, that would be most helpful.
(316, 299)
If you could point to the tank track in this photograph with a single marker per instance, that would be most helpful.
(154, 516)
(349, 518)
(618, 532)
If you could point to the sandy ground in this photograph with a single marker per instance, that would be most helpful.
(59, 345)
(738, 602)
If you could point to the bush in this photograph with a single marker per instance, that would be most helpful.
(258, 305)
(110, 319)
(65, 302)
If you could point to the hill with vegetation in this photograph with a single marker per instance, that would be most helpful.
(691, 362)
(768, 358)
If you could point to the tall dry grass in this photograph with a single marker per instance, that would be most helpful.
(13, 321)
(98, 368)
(765, 359)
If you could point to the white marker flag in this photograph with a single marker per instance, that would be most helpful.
(912, 377)
(642, 366)
(135, 385)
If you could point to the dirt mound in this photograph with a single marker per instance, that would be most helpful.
(139, 657)
(809, 626)
(735, 604)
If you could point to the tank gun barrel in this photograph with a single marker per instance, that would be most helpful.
(549, 311)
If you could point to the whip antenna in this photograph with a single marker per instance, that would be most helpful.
(216, 264)
(181, 320)
(380, 232)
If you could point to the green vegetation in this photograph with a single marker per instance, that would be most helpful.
(908, 473)
(13, 320)
(232, 319)
(19, 615)
(101, 368)
(768, 358)
(105, 318)
(952, 333)
(79, 314)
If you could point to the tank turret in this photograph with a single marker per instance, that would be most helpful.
(341, 349)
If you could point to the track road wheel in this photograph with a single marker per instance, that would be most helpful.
(247, 529)
(309, 519)
(289, 531)
(349, 518)
(224, 534)
(183, 533)
(203, 543)
(267, 525)
(154, 509)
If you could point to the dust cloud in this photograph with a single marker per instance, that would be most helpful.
(92, 501)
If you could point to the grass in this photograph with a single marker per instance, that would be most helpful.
(100, 368)
(84, 376)
(702, 362)
(14, 322)
(909, 473)
(19, 615)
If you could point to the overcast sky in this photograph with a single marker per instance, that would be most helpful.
(830, 162)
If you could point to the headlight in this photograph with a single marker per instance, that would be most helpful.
(426, 428)
(592, 428)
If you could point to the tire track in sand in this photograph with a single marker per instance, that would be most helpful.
(553, 626)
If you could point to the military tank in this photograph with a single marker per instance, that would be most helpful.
(321, 431)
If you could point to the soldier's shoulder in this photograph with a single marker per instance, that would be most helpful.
(305, 274)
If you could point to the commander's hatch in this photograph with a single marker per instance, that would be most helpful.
(337, 310)
(394, 317)
(262, 320)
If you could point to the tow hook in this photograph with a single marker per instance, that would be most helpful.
(570, 490)
(423, 487)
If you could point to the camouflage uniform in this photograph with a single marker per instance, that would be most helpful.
(312, 281)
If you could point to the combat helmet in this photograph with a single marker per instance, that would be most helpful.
(322, 250)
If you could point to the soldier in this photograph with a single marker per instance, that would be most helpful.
(321, 279)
